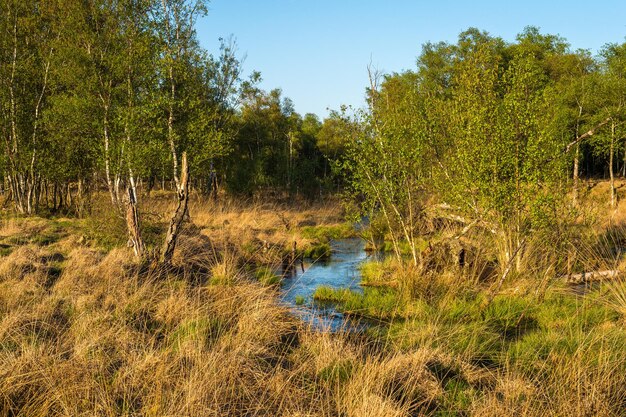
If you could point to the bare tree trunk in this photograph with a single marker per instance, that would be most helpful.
(131, 180)
(60, 193)
(107, 157)
(79, 198)
(13, 148)
(575, 175)
(611, 156)
(31, 180)
(170, 118)
(179, 214)
(624, 162)
(54, 197)
(132, 222)
(68, 198)
(170, 135)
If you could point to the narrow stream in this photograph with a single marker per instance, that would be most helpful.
(341, 271)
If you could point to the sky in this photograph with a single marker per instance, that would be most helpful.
(318, 51)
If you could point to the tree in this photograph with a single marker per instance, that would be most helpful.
(179, 52)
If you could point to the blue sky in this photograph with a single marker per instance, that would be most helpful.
(317, 51)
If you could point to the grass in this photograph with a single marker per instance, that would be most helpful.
(266, 276)
(324, 233)
(85, 331)
(382, 304)
(318, 251)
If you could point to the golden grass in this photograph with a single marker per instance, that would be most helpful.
(85, 331)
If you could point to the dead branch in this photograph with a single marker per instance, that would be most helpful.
(587, 134)
(179, 214)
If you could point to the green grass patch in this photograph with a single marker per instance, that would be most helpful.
(372, 272)
(106, 229)
(221, 279)
(510, 316)
(317, 251)
(404, 247)
(5, 249)
(266, 276)
(337, 372)
(377, 303)
(458, 395)
(204, 331)
(325, 233)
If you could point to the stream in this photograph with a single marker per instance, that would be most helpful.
(340, 271)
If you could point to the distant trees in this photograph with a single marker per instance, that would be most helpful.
(275, 147)
(110, 93)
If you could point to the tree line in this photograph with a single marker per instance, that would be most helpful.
(108, 94)
(492, 135)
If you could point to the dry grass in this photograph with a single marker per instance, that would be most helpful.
(85, 331)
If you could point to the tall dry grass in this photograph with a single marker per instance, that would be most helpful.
(86, 330)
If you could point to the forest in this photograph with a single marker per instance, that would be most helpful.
(158, 207)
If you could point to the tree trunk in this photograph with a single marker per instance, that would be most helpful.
(624, 162)
(54, 197)
(575, 175)
(68, 198)
(179, 214)
(132, 222)
(611, 156)
(107, 157)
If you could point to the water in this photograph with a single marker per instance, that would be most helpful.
(341, 271)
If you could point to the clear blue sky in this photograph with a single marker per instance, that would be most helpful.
(317, 51)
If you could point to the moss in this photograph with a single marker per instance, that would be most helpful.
(300, 300)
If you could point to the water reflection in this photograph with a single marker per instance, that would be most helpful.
(341, 271)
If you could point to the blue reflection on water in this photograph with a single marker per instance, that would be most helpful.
(341, 271)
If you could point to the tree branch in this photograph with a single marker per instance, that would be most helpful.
(587, 134)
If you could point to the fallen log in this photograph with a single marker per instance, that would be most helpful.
(591, 276)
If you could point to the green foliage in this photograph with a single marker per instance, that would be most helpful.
(275, 147)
